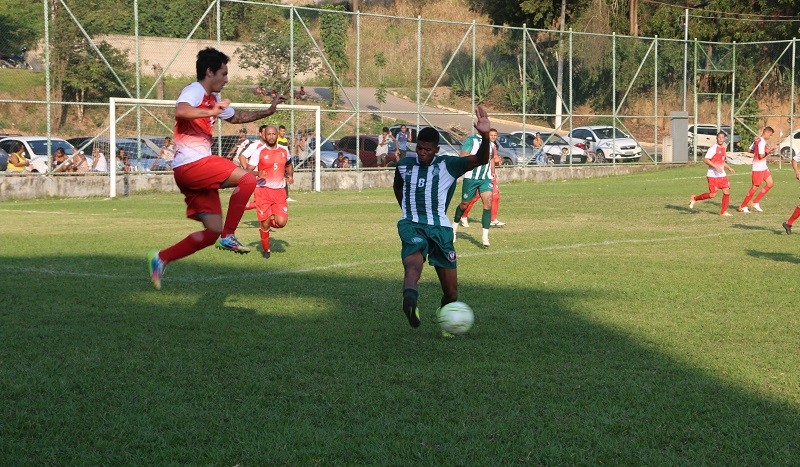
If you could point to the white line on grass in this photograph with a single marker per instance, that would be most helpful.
(251, 275)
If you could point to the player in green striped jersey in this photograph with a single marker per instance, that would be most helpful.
(423, 185)
(477, 182)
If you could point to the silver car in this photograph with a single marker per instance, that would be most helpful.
(327, 154)
(608, 143)
(555, 147)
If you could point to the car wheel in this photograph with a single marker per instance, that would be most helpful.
(787, 152)
(322, 165)
(635, 159)
(507, 161)
(600, 157)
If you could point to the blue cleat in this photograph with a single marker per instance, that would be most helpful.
(231, 243)
(156, 267)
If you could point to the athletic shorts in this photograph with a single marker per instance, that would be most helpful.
(759, 176)
(470, 186)
(200, 181)
(434, 242)
(717, 183)
(270, 201)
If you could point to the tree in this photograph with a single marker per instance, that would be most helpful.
(380, 90)
(270, 52)
(333, 28)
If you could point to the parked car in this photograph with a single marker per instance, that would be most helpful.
(790, 146)
(328, 153)
(608, 143)
(556, 148)
(449, 145)
(36, 149)
(3, 160)
(141, 161)
(706, 136)
(368, 144)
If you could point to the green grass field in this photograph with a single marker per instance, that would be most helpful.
(613, 326)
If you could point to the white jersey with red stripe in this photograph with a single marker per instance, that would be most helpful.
(717, 155)
(759, 149)
(193, 138)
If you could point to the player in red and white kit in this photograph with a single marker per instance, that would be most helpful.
(198, 173)
(274, 171)
(788, 224)
(717, 178)
(760, 172)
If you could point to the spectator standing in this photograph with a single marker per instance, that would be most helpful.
(99, 163)
(166, 154)
(402, 138)
(383, 146)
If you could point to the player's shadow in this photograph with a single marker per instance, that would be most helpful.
(276, 245)
(469, 237)
(775, 256)
(762, 228)
(683, 209)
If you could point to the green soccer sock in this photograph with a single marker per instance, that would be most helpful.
(459, 213)
(486, 218)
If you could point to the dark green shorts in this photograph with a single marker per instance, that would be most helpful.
(434, 242)
(469, 186)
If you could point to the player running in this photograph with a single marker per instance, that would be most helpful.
(423, 185)
(760, 173)
(274, 171)
(716, 160)
(787, 226)
(198, 173)
(478, 181)
(496, 160)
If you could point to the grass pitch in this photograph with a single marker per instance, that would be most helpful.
(613, 325)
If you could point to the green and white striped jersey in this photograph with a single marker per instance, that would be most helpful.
(471, 145)
(427, 190)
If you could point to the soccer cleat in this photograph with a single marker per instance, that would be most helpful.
(266, 254)
(290, 200)
(745, 210)
(411, 311)
(788, 228)
(757, 207)
(485, 244)
(435, 319)
(231, 243)
(691, 202)
(156, 267)
(464, 222)
(497, 223)
(727, 214)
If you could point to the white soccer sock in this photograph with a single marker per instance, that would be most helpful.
(485, 235)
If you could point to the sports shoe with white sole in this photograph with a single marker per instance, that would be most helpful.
(727, 214)
(757, 207)
(156, 267)
(691, 202)
(745, 210)
(464, 222)
(497, 223)
(231, 243)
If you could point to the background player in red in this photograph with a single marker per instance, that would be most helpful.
(788, 224)
(717, 178)
(760, 173)
(274, 171)
(198, 173)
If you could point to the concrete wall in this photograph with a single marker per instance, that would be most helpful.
(82, 186)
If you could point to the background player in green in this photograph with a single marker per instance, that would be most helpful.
(477, 182)
(423, 185)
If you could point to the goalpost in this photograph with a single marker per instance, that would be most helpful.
(136, 123)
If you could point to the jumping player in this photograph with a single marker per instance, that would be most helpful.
(479, 181)
(423, 185)
(497, 160)
(198, 173)
(788, 224)
(274, 171)
(717, 178)
(760, 173)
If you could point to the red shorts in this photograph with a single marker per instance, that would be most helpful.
(759, 177)
(717, 183)
(270, 201)
(200, 181)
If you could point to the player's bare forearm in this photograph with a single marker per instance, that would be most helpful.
(398, 187)
(247, 116)
(482, 125)
(289, 170)
(185, 111)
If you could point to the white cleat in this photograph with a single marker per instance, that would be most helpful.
(691, 202)
(745, 210)
(497, 223)
(757, 207)
(464, 222)
(727, 214)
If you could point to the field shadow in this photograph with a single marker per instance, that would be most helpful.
(683, 209)
(228, 363)
(775, 256)
(763, 228)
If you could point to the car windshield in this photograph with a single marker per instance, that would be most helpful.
(608, 133)
(39, 146)
(509, 141)
(327, 146)
(131, 147)
(553, 139)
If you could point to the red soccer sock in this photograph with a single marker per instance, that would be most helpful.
(726, 199)
(250, 205)
(469, 206)
(702, 197)
(241, 195)
(748, 197)
(495, 204)
(763, 192)
(795, 215)
(191, 244)
(264, 238)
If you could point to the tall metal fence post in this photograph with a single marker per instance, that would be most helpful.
(733, 93)
(524, 87)
(47, 88)
(359, 165)
(419, 67)
(655, 101)
(613, 96)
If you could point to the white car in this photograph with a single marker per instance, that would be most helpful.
(555, 146)
(707, 136)
(790, 146)
(607, 143)
(36, 149)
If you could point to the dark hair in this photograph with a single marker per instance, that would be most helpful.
(262, 127)
(429, 135)
(17, 147)
(769, 128)
(209, 59)
(282, 127)
(242, 130)
(493, 129)
(385, 129)
(722, 133)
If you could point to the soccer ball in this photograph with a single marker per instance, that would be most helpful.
(455, 318)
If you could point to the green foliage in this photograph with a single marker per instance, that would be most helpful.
(89, 78)
(535, 97)
(270, 52)
(380, 90)
(333, 29)
(485, 79)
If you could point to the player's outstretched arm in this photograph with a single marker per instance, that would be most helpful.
(398, 187)
(482, 126)
(247, 116)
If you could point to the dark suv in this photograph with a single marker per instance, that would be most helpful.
(368, 144)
